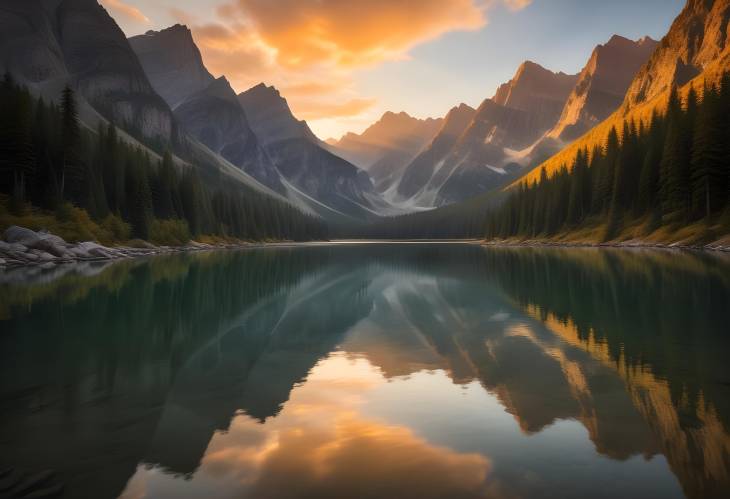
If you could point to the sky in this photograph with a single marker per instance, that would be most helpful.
(342, 63)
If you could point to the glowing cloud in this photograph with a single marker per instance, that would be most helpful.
(127, 11)
(517, 4)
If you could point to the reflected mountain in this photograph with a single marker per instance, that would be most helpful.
(164, 363)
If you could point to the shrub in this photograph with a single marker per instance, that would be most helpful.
(169, 232)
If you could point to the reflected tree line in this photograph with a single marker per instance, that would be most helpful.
(148, 359)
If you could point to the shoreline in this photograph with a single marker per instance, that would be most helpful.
(21, 247)
(46, 251)
(631, 244)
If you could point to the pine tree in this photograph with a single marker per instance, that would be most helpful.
(73, 182)
(139, 198)
(674, 174)
(708, 163)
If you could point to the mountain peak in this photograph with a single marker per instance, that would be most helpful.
(172, 62)
(602, 85)
(697, 38)
(533, 81)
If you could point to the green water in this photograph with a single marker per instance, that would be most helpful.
(372, 371)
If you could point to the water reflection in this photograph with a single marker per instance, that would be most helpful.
(378, 371)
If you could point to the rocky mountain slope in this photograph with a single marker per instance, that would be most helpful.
(478, 158)
(206, 107)
(694, 51)
(387, 146)
(602, 85)
(311, 173)
(47, 45)
(255, 131)
(422, 178)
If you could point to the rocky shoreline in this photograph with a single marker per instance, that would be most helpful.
(637, 244)
(23, 247)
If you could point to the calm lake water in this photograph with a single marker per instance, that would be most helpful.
(371, 371)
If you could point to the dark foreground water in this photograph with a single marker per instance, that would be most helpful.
(370, 371)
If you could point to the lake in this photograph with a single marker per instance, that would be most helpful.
(352, 371)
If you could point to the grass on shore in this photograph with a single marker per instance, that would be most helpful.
(75, 225)
(698, 233)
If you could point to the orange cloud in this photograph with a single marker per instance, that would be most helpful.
(128, 11)
(309, 48)
(349, 32)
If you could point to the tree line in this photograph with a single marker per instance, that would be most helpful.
(48, 160)
(670, 172)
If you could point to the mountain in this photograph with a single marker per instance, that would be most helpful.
(696, 43)
(206, 107)
(255, 131)
(602, 85)
(47, 45)
(387, 146)
(694, 51)
(421, 179)
(481, 156)
(311, 174)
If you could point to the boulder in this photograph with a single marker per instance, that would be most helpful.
(43, 256)
(95, 250)
(43, 241)
(15, 234)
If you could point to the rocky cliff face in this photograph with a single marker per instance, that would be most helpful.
(172, 62)
(697, 38)
(206, 107)
(52, 43)
(602, 85)
(478, 158)
(535, 97)
(422, 179)
(312, 173)
(695, 47)
(386, 147)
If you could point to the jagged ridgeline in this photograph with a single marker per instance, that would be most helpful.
(669, 174)
(110, 189)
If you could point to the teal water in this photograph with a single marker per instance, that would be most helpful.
(371, 371)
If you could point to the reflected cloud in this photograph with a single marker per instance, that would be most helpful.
(321, 445)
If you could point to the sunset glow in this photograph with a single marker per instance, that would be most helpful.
(341, 65)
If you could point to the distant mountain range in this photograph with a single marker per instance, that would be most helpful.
(156, 87)
(255, 130)
(528, 119)
(694, 51)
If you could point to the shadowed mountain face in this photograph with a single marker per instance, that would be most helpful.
(311, 172)
(421, 179)
(386, 147)
(205, 106)
(255, 131)
(483, 366)
(50, 44)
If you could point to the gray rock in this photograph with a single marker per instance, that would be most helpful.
(43, 256)
(15, 234)
(2, 262)
(43, 241)
(9, 247)
(97, 250)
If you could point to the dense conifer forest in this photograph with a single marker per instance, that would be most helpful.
(665, 175)
(672, 172)
(51, 162)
